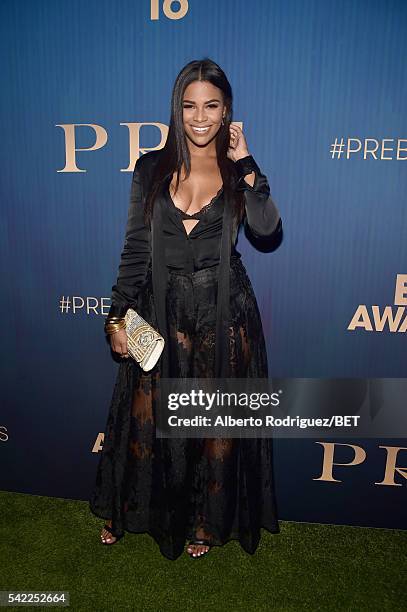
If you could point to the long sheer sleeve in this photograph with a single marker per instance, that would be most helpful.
(262, 215)
(136, 251)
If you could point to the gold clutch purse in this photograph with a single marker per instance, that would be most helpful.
(144, 343)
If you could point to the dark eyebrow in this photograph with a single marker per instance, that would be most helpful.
(207, 102)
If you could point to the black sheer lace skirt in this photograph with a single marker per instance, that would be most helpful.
(178, 489)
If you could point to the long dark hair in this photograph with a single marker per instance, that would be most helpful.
(175, 152)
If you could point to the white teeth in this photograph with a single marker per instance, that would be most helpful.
(200, 130)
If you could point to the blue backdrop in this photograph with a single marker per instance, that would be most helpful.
(97, 77)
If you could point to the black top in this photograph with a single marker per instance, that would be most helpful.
(211, 241)
(201, 247)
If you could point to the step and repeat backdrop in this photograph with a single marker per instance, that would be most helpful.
(319, 91)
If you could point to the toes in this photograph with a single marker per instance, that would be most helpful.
(197, 550)
(106, 537)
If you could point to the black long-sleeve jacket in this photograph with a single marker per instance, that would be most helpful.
(261, 215)
(210, 242)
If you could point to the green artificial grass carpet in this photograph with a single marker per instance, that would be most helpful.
(53, 544)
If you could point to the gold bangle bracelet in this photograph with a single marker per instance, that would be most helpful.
(119, 323)
(111, 328)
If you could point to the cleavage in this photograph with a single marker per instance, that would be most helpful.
(189, 224)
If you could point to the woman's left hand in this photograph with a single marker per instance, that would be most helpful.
(237, 144)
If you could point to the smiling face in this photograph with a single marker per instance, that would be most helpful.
(203, 110)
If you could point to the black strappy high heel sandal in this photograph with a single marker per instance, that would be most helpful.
(202, 543)
(109, 529)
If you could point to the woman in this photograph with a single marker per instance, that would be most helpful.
(181, 272)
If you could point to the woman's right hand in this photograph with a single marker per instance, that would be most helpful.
(118, 342)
